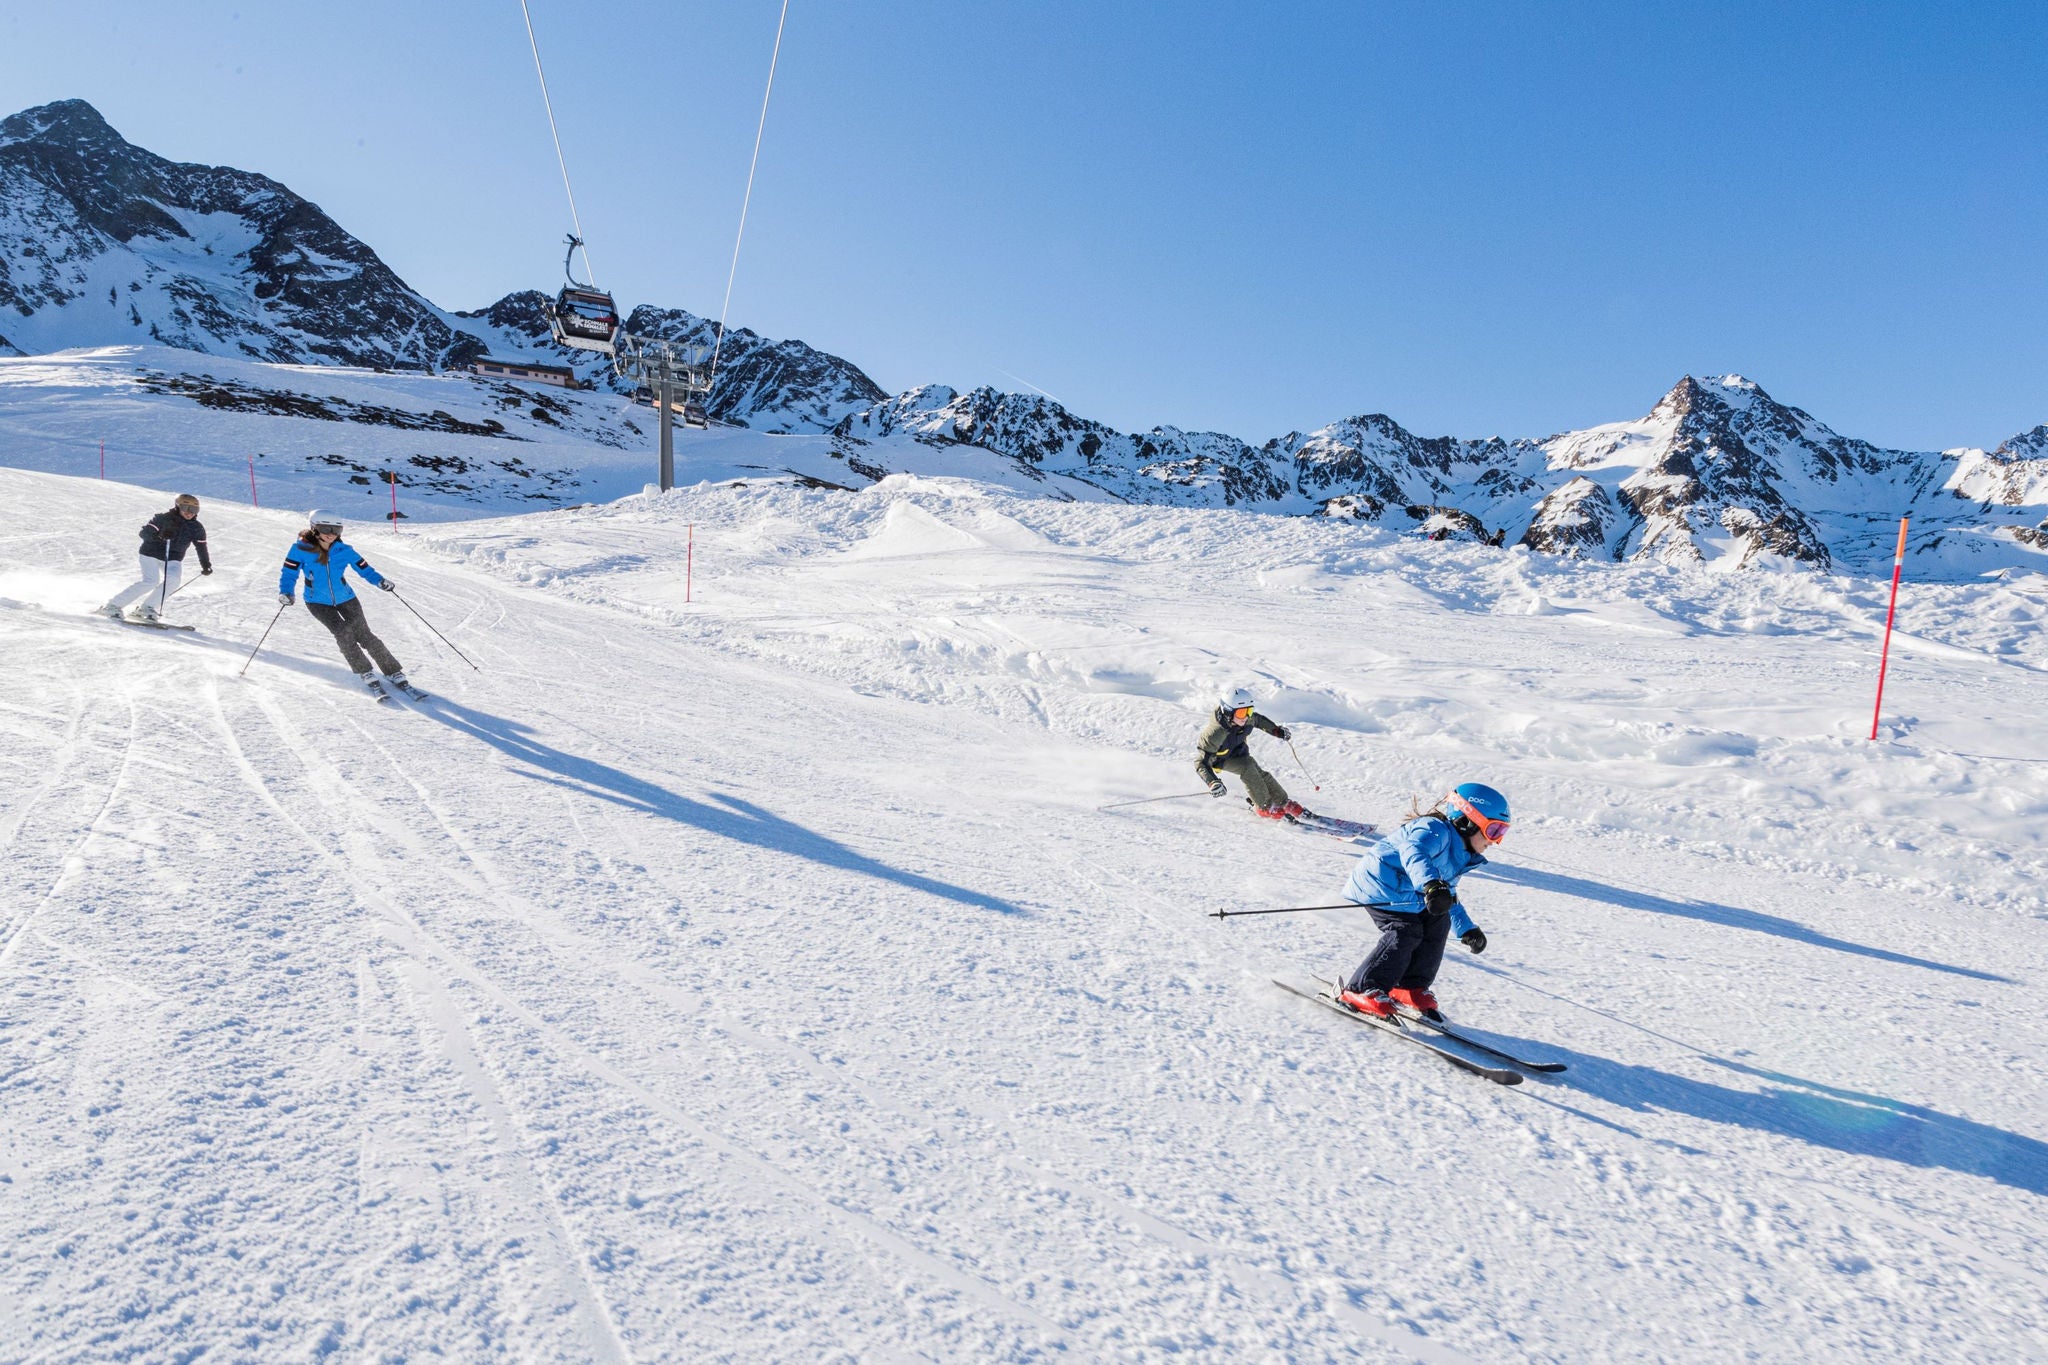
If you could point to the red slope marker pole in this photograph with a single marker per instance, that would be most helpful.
(103, 459)
(252, 483)
(1884, 658)
(394, 502)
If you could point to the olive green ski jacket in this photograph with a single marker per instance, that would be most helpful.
(1220, 740)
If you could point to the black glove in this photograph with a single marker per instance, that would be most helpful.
(205, 571)
(388, 586)
(1215, 786)
(1474, 938)
(1280, 732)
(1438, 898)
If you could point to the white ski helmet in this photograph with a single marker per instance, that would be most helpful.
(1238, 700)
(317, 519)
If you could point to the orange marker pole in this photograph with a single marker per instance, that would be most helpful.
(1884, 658)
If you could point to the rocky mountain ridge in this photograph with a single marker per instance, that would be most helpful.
(102, 242)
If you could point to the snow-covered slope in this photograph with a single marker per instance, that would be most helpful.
(755, 978)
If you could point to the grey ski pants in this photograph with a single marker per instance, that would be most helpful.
(352, 632)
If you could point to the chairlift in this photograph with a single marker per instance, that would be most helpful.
(583, 317)
(691, 411)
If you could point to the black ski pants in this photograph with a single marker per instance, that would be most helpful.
(1410, 950)
(352, 633)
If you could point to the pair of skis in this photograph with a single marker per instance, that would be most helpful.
(381, 690)
(1431, 1035)
(146, 625)
(1335, 827)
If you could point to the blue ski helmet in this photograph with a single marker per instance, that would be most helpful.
(1475, 807)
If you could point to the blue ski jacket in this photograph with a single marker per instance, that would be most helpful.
(325, 582)
(1397, 866)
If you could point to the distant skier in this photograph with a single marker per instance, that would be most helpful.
(325, 559)
(1225, 746)
(165, 538)
(1414, 873)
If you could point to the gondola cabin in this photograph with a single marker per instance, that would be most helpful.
(586, 319)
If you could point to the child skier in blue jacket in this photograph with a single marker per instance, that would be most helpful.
(324, 559)
(1409, 879)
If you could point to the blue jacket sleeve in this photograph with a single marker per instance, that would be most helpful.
(1426, 852)
(364, 567)
(288, 581)
(1431, 851)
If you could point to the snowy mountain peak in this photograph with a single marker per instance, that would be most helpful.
(73, 123)
(105, 244)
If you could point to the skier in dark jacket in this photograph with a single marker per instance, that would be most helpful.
(165, 538)
(1224, 746)
(324, 559)
(1410, 880)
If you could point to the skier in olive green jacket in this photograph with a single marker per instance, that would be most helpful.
(1224, 747)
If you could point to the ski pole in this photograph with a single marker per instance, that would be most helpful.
(1304, 767)
(261, 638)
(1148, 800)
(430, 626)
(1299, 909)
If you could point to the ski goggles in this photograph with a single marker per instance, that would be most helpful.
(185, 502)
(1494, 830)
(327, 528)
(1241, 713)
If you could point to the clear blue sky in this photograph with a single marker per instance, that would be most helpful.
(1481, 218)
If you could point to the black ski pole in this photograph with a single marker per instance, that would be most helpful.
(1148, 800)
(430, 626)
(261, 638)
(1299, 909)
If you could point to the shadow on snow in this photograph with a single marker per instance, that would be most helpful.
(730, 818)
(1825, 1116)
(1729, 916)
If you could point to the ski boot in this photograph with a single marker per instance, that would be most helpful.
(369, 680)
(1293, 811)
(1375, 1003)
(1270, 812)
(398, 681)
(1421, 1001)
(144, 613)
(110, 611)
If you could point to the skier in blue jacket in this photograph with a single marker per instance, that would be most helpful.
(324, 559)
(1409, 879)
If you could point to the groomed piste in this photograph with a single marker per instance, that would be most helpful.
(754, 977)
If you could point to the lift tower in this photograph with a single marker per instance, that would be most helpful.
(675, 377)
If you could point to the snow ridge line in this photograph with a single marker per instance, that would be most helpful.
(58, 765)
(411, 934)
(72, 862)
(577, 1277)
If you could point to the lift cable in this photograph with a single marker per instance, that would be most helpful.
(718, 341)
(556, 134)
